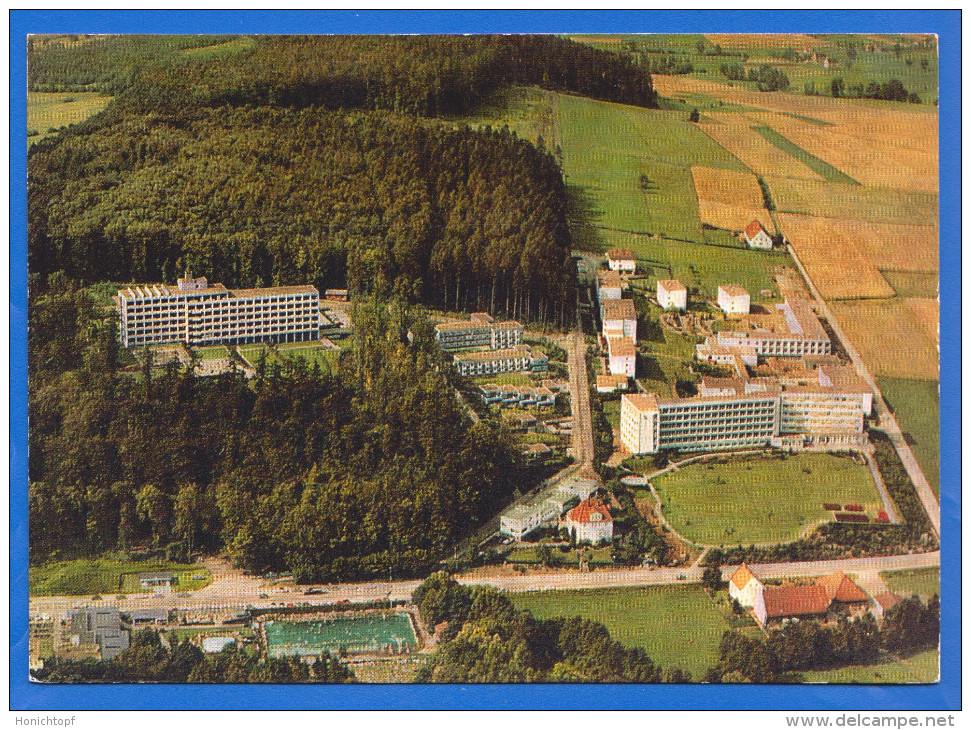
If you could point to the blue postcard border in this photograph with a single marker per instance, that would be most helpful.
(945, 695)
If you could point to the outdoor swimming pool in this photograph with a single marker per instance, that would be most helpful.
(374, 633)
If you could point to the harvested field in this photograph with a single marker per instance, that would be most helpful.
(899, 246)
(753, 41)
(729, 199)
(896, 337)
(760, 155)
(854, 202)
(820, 166)
(828, 254)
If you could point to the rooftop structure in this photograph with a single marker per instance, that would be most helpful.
(199, 313)
(101, 626)
(744, 587)
(619, 318)
(611, 383)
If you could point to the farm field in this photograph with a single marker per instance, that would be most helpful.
(925, 582)
(641, 617)
(607, 148)
(916, 406)
(916, 669)
(896, 337)
(219, 50)
(845, 201)
(48, 111)
(761, 500)
(735, 133)
(729, 199)
(821, 167)
(912, 283)
(99, 575)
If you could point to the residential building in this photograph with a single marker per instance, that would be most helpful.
(672, 294)
(609, 285)
(590, 521)
(142, 616)
(621, 259)
(492, 362)
(622, 356)
(198, 313)
(733, 299)
(101, 626)
(845, 596)
(744, 587)
(480, 331)
(536, 452)
(611, 383)
(756, 236)
(619, 318)
(711, 351)
(775, 605)
(883, 602)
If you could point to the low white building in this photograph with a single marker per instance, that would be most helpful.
(611, 383)
(519, 521)
(590, 521)
(756, 236)
(672, 294)
(622, 356)
(621, 259)
(733, 299)
(744, 587)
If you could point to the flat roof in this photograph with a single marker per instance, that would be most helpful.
(518, 351)
(643, 402)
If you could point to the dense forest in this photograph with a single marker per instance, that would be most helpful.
(424, 75)
(487, 640)
(457, 218)
(149, 660)
(374, 469)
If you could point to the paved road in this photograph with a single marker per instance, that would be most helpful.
(580, 400)
(246, 593)
(888, 423)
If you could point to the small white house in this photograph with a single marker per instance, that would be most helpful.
(621, 259)
(619, 318)
(756, 236)
(609, 285)
(733, 299)
(611, 383)
(672, 294)
(744, 587)
(590, 521)
(622, 356)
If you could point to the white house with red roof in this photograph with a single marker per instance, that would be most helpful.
(756, 236)
(744, 587)
(590, 521)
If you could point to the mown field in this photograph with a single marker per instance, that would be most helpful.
(643, 617)
(916, 406)
(919, 668)
(49, 111)
(925, 582)
(761, 500)
(104, 576)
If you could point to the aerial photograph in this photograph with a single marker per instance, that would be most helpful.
(483, 359)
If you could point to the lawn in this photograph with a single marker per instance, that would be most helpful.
(216, 352)
(48, 112)
(529, 556)
(503, 379)
(611, 409)
(309, 353)
(525, 110)
(817, 165)
(251, 353)
(102, 575)
(219, 50)
(676, 625)
(925, 582)
(916, 669)
(762, 499)
(917, 408)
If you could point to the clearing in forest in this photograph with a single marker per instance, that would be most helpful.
(48, 112)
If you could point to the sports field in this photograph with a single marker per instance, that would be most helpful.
(47, 112)
(104, 576)
(761, 500)
(642, 617)
(916, 407)
(925, 582)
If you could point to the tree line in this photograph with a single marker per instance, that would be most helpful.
(373, 469)
(487, 640)
(908, 627)
(256, 197)
(148, 659)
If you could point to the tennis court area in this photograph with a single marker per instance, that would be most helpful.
(369, 634)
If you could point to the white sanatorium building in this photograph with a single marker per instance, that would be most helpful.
(621, 356)
(619, 318)
(792, 331)
(480, 331)
(745, 413)
(198, 313)
(733, 299)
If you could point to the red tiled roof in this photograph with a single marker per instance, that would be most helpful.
(887, 600)
(788, 601)
(840, 588)
(620, 254)
(753, 228)
(742, 576)
(588, 507)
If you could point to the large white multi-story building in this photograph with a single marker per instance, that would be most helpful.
(480, 331)
(619, 318)
(621, 259)
(672, 294)
(609, 285)
(493, 362)
(741, 412)
(792, 331)
(733, 299)
(621, 356)
(197, 313)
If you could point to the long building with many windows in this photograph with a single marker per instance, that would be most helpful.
(197, 313)
(480, 331)
(493, 362)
